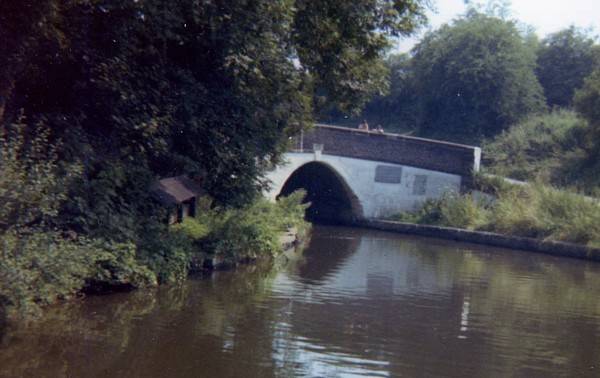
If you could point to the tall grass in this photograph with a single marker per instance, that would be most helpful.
(544, 147)
(452, 210)
(538, 211)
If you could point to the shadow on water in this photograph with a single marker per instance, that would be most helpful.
(332, 200)
(3, 321)
(180, 330)
(325, 255)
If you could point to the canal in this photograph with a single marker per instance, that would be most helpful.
(353, 303)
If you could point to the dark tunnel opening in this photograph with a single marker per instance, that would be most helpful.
(332, 201)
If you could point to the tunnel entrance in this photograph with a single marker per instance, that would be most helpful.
(332, 201)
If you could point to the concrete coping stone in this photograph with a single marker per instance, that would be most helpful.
(394, 136)
(486, 238)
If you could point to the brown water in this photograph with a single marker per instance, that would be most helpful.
(358, 303)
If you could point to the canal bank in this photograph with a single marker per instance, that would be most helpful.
(485, 238)
(41, 268)
(289, 241)
(200, 264)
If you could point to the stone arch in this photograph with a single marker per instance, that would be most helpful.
(332, 199)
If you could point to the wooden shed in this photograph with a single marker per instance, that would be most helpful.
(181, 195)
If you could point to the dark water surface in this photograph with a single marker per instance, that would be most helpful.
(357, 303)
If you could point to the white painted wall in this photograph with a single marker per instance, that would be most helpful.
(377, 199)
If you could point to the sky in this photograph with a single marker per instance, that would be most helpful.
(546, 16)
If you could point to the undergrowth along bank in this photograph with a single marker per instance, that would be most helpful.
(551, 148)
(536, 211)
(45, 257)
(41, 267)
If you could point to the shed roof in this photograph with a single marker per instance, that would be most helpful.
(175, 190)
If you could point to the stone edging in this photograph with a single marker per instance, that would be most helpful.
(487, 238)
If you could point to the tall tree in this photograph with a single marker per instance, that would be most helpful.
(587, 103)
(564, 60)
(398, 110)
(342, 45)
(474, 77)
(140, 89)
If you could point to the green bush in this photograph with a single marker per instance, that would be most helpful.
(537, 211)
(42, 267)
(232, 235)
(254, 231)
(430, 212)
(463, 211)
(116, 266)
(515, 213)
(167, 254)
(452, 210)
(32, 181)
(291, 211)
(246, 233)
(194, 228)
(545, 212)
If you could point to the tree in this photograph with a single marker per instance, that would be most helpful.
(474, 77)
(32, 183)
(142, 89)
(564, 59)
(587, 103)
(342, 45)
(398, 110)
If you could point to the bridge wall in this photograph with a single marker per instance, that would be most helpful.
(392, 148)
(382, 188)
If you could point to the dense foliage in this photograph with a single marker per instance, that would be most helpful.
(559, 148)
(536, 211)
(477, 76)
(398, 110)
(255, 230)
(587, 103)
(544, 147)
(341, 43)
(466, 81)
(564, 60)
(474, 77)
(32, 182)
(39, 264)
(141, 89)
(100, 98)
(212, 87)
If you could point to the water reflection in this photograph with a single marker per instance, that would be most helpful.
(359, 303)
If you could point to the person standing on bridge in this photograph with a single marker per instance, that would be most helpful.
(363, 126)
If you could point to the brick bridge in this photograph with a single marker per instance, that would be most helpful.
(351, 173)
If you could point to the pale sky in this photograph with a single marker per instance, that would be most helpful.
(546, 16)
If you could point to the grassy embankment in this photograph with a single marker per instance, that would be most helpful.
(544, 150)
(549, 148)
(537, 211)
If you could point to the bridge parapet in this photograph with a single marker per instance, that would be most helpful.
(391, 148)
